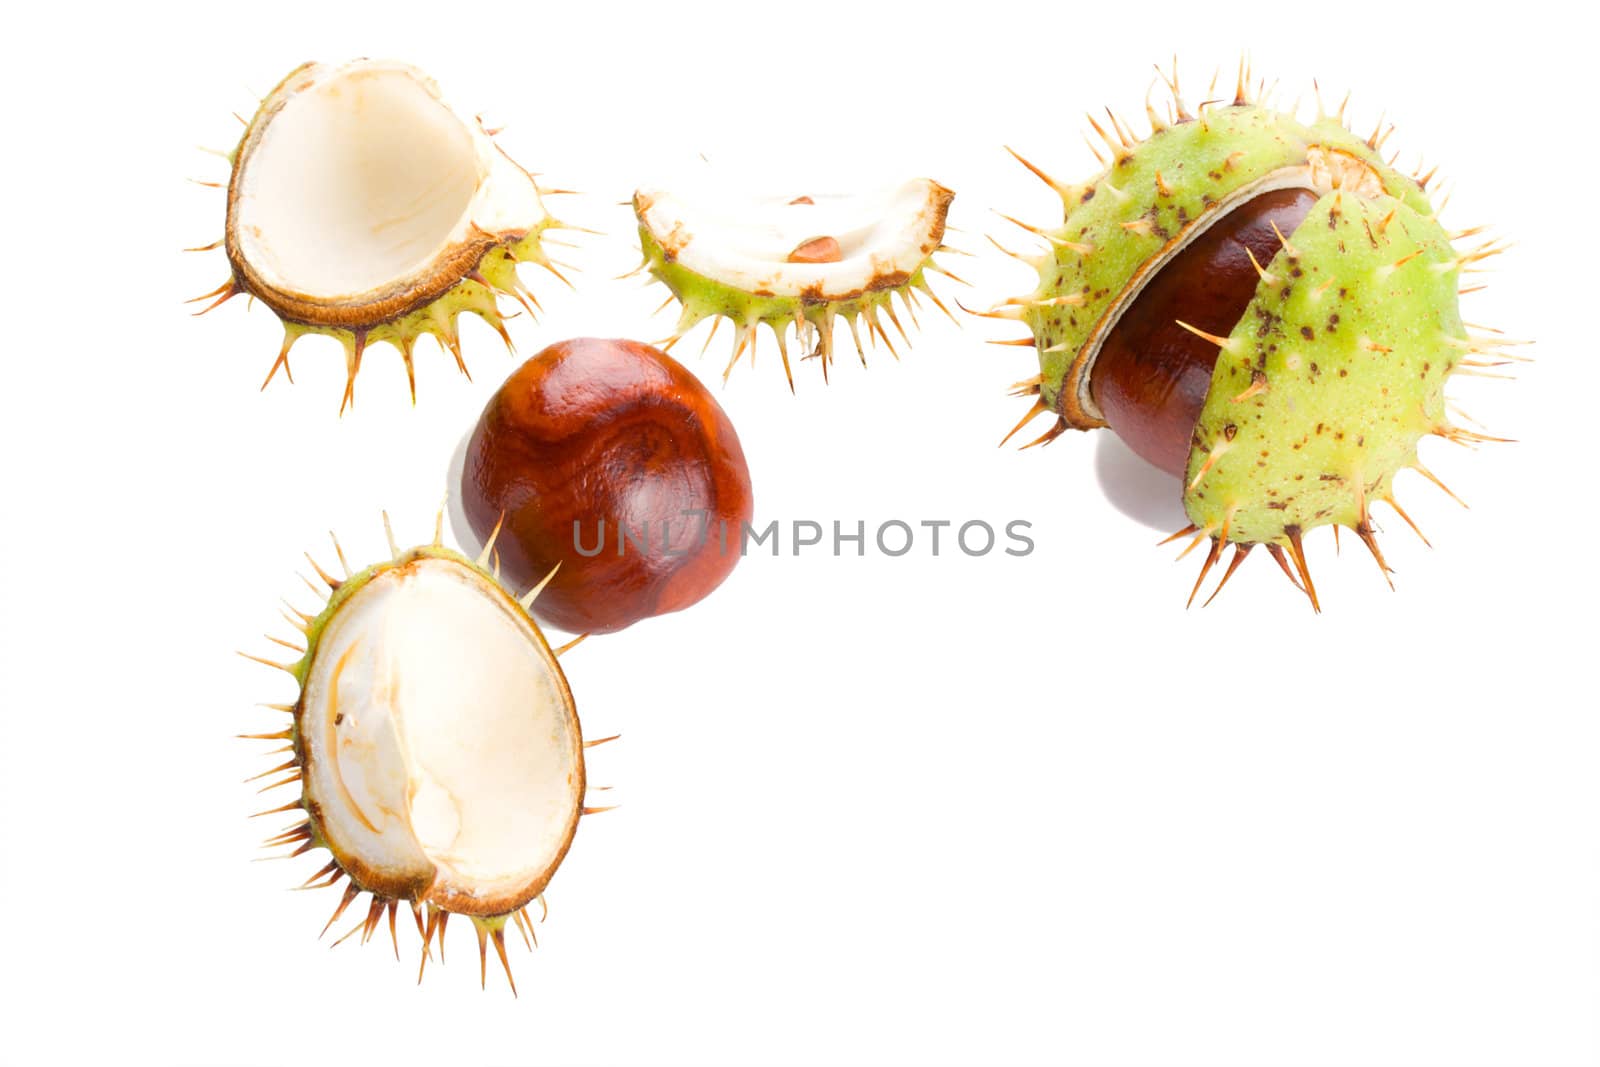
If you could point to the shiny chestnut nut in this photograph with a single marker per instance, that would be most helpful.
(610, 459)
(1154, 370)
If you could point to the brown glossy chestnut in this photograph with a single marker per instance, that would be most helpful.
(611, 459)
(1151, 376)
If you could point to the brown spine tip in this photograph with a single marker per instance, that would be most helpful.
(351, 891)
(282, 361)
(1039, 408)
(1185, 532)
(1298, 554)
(427, 939)
(1241, 549)
(525, 925)
(374, 915)
(483, 957)
(1205, 569)
(499, 938)
(1364, 531)
(332, 868)
(570, 645)
(1278, 557)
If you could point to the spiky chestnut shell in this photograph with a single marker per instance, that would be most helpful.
(611, 465)
(435, 744)
(489, 218)
(1336, 367)
(797, 262)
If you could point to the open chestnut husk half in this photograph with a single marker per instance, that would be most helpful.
(609, 459)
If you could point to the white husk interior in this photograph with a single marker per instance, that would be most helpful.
(744, 241)
(454, 754)
(364, 178)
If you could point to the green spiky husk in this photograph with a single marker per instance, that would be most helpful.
(1336, 368)
(1347, 355)
(701, 298)
(496, 275)
(498, 271)
(1201, 162)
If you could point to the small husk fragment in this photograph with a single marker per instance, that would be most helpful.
(795, 262)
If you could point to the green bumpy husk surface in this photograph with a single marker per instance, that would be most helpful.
(1336, 368)
(1345, 347)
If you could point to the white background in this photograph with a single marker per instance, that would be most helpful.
(916, 810)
